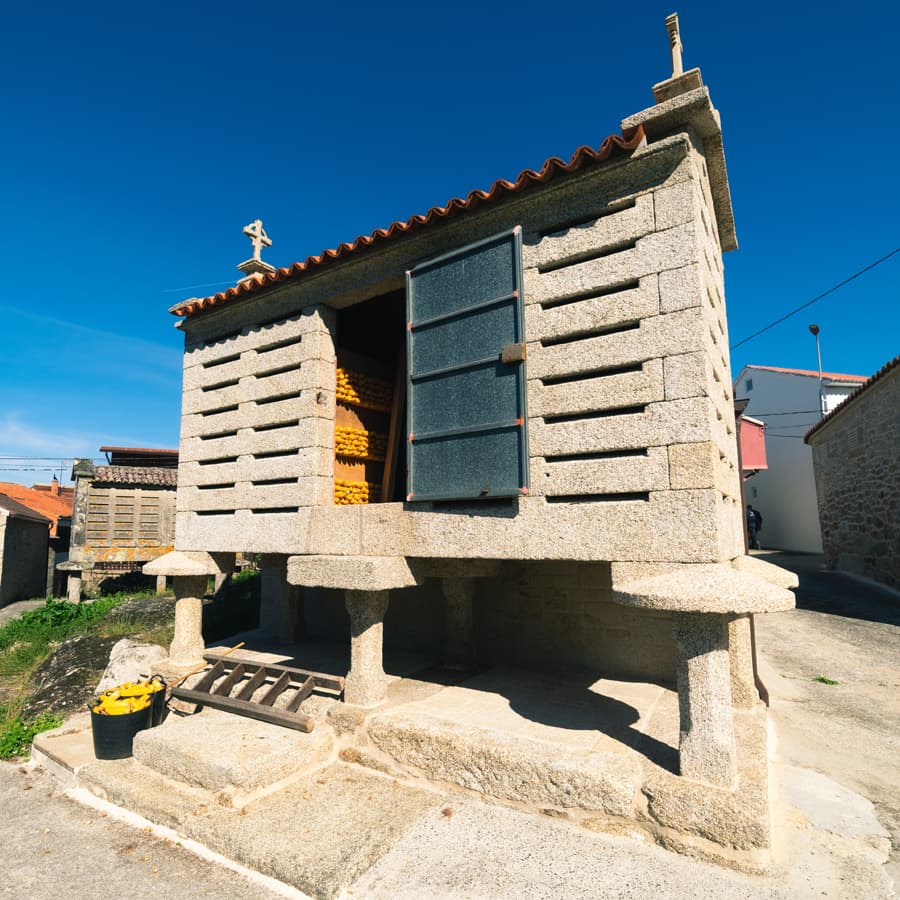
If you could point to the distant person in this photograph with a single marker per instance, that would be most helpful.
(754, 526)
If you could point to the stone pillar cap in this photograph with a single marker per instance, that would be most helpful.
(352, 573)
(711, 588)
(753, 565)
(179, 562)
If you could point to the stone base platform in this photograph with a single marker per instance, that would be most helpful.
(599, 752)
(594, 752)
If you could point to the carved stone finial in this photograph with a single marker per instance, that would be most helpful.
(255, 267)
(681, 82)
(675, 45)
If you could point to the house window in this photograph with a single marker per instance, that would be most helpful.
(466, 398)
(748, 385)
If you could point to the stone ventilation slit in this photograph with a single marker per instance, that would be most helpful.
(234, 357)
(213, 512)
(220, 385)
(588, 255)
(220, 340)
(599, 331)
(277, 398)
(278, 345)
(591, 219)
(619, 288)
(270, 482)
(274, 320)
(275, 454)
(215, 487)
(219, 410)
(592, 374)
(596, 456)
(639, 496)
(275, 426)
(218, 461)
(215, 435)
(275, 510)
(595, 414)
(278, 370)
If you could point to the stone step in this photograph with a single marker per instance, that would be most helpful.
(508, 767)
(237, 758)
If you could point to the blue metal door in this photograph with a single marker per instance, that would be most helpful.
(466, 365)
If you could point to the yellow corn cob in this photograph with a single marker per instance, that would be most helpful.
(363, 390)
(351, 492)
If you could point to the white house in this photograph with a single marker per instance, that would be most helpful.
(790, 402)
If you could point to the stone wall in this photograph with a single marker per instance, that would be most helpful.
(857, 472)
(23, 559)
(542, 615)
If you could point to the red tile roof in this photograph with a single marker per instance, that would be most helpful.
(887, 367)
(833, 376)
(20, 511)
(629, 141)
(146, 451)
(53, 507)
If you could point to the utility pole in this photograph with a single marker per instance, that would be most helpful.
(814, 331)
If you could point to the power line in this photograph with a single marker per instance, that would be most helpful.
(793, 412)
(830, 290)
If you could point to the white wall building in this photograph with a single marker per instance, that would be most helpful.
(788, 401)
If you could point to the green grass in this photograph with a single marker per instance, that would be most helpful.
(823, 680)
(16, 734)
(27, 641)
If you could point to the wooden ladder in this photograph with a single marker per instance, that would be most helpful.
(229, 685)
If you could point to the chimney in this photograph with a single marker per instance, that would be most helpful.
(54, 487)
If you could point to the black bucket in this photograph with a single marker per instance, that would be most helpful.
(114, 735)
(158, 706)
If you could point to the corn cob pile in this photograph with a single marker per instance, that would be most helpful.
(363, 390)
(348, 492)
(133, 696)
(359, 443)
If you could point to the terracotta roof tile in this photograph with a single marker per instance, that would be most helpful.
(629, 141)
(833, 376)
(52, 507)
(136, 475)
(887, 367)
(20, 511)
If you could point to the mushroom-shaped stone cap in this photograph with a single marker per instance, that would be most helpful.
(180, 563)
(355, 573)
(753, 565)
(713, 588)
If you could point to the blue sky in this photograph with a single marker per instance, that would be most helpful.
(137, 141)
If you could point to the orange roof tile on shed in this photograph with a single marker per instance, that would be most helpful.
(834, 376)
(48, 505)
(628, 142)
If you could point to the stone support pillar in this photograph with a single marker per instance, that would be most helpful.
(706, 745)
(160, 584)
(187, 646)
(221, 580)
(459, 650)
(281, 603)
(366, 683)
(73, 587)
(740, 653)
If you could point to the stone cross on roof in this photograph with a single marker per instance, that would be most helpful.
(256, 267)
(258, 237)
(681, 82)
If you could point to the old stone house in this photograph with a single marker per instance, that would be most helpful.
(24, 541)
(857, 472)
(123, 517)
(516, 410)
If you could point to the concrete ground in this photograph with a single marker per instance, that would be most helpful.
(347, 831)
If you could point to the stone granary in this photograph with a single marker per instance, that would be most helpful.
(123, 516)
(516, 408)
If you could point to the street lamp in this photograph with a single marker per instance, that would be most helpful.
(814, 331)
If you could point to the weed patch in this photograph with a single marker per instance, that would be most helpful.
(16, 733)
(823, 680)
